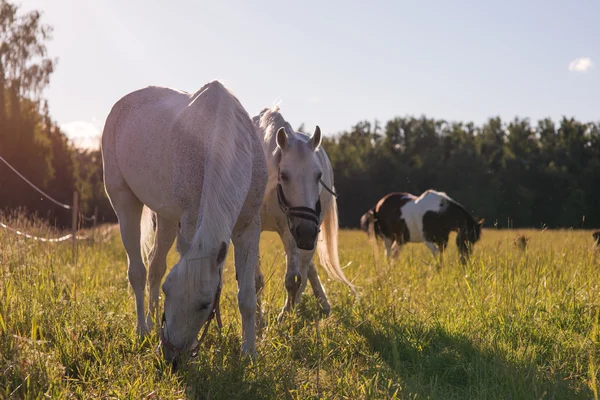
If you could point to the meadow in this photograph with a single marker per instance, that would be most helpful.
(510, 324)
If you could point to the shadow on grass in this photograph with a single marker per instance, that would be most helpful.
(430, 362)
(221, 371)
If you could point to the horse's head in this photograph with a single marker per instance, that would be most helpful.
(192, 291)
(367, 219)
(298, 185)
(467, 237)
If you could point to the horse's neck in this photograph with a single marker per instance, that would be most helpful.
(229, 168)
(467, 222)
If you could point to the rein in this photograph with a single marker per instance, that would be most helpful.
(334, 194)
(214, 314)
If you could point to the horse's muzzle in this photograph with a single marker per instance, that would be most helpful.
(305, 233)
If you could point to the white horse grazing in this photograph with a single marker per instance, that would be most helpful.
(296, 202)
(192, 159)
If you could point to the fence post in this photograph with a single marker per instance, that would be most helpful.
(94, 232)
(75, 214)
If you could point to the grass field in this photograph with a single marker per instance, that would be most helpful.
(510, 324)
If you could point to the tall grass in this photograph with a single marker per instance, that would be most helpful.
(512, 323)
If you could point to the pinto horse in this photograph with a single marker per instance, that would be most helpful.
(194, 160)
(401, 218)
(299, 205)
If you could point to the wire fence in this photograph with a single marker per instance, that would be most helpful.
(76, 215)
(41, 239)
(52, 199)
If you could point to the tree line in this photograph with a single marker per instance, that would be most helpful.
(29, 139)
(517, 174)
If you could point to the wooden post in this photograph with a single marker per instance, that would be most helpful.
(94, 233)
(74, 215)
(95, 217)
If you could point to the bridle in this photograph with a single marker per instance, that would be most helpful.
(307, 213)
(214, 314)
(310, 214)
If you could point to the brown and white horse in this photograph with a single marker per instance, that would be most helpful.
(401, 218)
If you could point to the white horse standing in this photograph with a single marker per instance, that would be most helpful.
(192, 159)
(295, 203)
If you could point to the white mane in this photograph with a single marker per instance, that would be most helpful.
(227, 155)
(433, 193)
(269, 121)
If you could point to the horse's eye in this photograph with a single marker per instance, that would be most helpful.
(284, 177)
(204, 306)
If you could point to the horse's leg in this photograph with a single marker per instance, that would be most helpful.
(388, 246)
(129, 211)
(318, 289)
(246, 260)
(293, 279)
(433, 248)
(166, 230)
(305, 260)
(259, 283)
(442, 244)
(396, 247)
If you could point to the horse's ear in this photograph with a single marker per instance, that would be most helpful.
(182, 245)
(481, 221)
(316, 138)
(282, 138)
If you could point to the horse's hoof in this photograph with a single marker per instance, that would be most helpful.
(249, 352)
(149, 323)
(142, 331)
(325, 310)
(260, 323)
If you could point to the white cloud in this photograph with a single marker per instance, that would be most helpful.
(84, 134)
(582, 64)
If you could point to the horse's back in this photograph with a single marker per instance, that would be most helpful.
(429, 205)
(389, 214)
(156, 141)
(432, 200)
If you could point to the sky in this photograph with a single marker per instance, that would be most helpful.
(329, 63)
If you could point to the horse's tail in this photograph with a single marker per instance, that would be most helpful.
(371, 226)
(327, 247)
(147, 229)
(372, 233)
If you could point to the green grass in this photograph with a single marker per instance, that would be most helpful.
(510, 324)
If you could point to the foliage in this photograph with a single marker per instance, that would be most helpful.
(543, 175)
(512, 323)
(29, 139)
(513, 174)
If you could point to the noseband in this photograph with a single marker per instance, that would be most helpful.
(215, 313)
(313, 215)
(307, 213)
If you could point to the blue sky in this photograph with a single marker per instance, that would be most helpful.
(331, 63)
